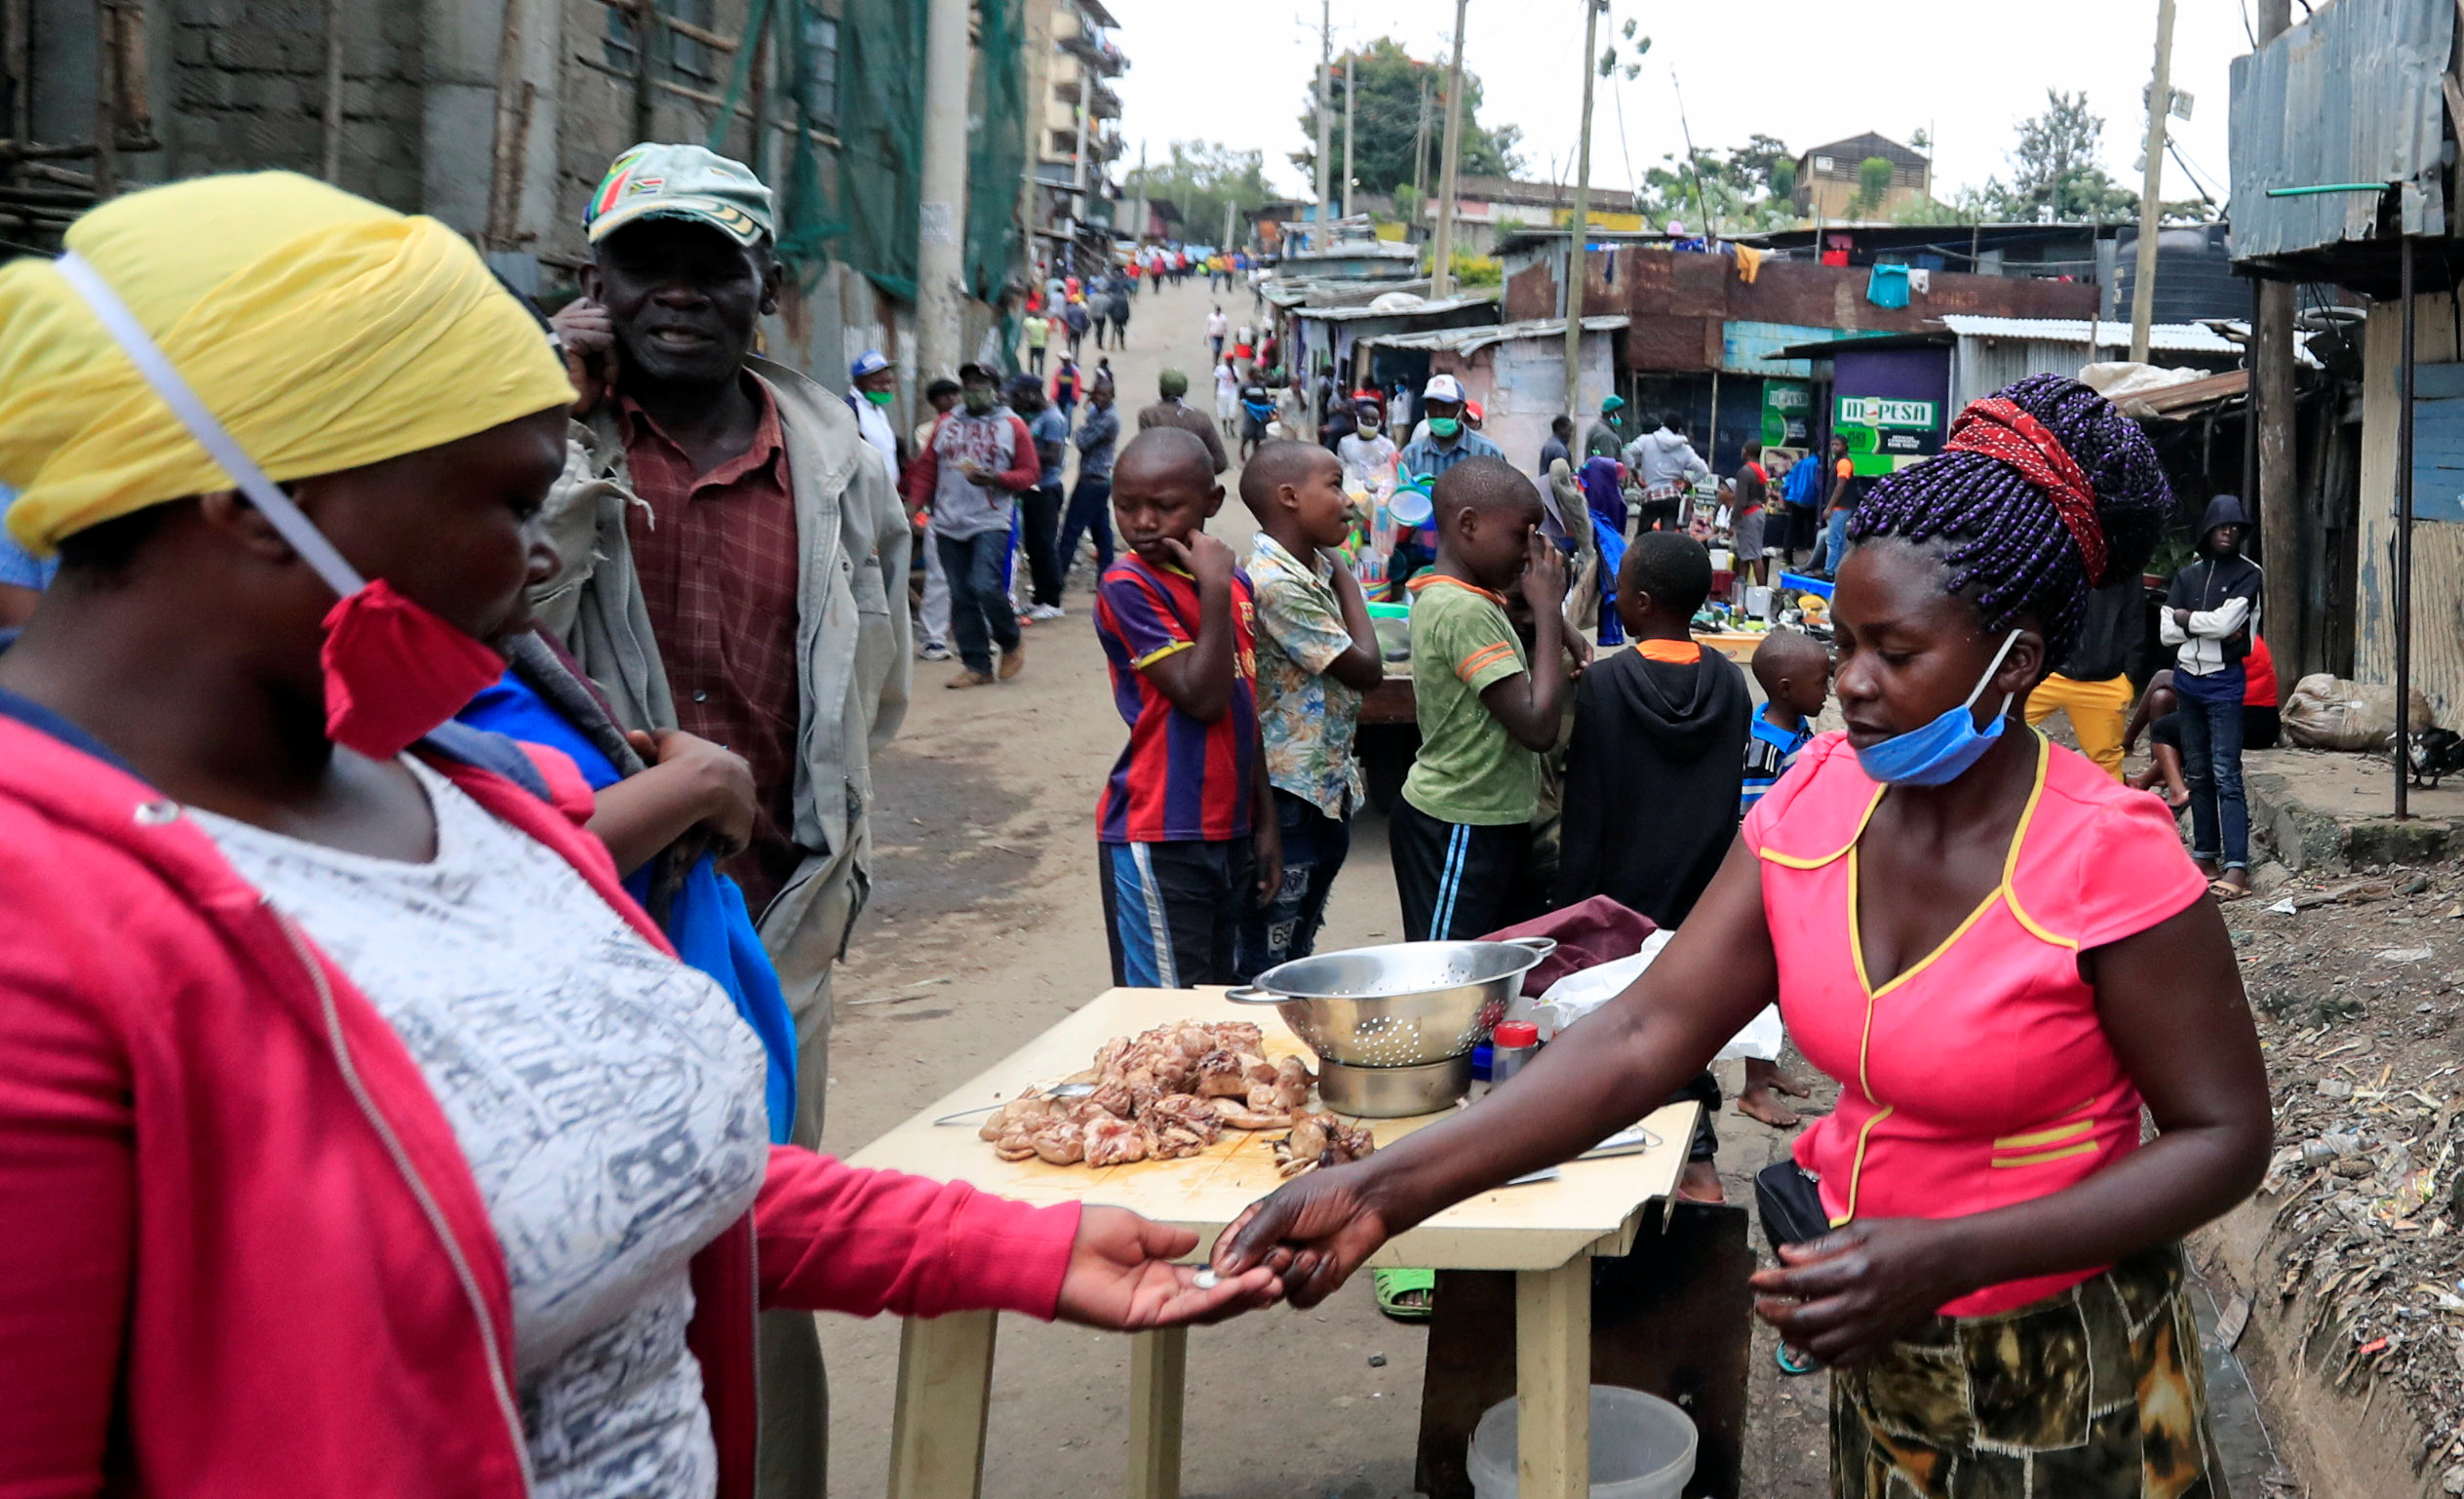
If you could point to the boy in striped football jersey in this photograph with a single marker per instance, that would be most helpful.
(1183, 850)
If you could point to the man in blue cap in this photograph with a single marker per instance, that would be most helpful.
(728, 549)
(872, 389)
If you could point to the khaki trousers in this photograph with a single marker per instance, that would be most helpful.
(806, 930)
(2100, 712)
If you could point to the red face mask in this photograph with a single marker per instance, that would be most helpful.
(394, 670)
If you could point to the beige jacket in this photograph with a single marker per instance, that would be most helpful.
(851, 632)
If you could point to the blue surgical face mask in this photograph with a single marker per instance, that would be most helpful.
(1936, 754)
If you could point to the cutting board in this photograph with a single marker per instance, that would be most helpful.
(1596, 1206)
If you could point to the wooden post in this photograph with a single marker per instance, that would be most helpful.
(1158, 1370)
(333, 111)
(1441, 267)
(645, 28)
(1579, 227)
(2402, 743)
(2291, 633)
(508, 148)
(2160, 105)
(944, 1389)
(106, 98)
(1552, 1342)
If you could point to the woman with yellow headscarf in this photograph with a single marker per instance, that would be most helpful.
(359, 1134)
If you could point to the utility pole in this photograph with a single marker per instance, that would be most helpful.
(1351, 99)
(2160, 105)
(1138, 224)
(1441, 269)
(1577, 261)
(1420, 153)
(1325, 115)
(2272, 410)
(1077, 167)
(941, 214)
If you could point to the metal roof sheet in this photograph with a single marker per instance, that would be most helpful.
(2352, 95)
(1371, 310)
(1469, 340)
(2177, 337)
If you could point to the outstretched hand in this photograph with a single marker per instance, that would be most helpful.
(1316, 1231)
(1122, 1278)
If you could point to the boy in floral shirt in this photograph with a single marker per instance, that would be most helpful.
(1316, 656)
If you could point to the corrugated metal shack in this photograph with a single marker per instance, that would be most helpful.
(2363, 93)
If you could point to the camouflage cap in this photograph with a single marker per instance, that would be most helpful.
(658, 181)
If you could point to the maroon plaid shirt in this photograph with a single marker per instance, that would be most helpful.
(717, 557)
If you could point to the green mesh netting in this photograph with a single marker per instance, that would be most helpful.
(880, 134)
(804, 225)
(997, 148)
(881, 97)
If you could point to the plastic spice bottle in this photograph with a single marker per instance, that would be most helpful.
(1516, 1043)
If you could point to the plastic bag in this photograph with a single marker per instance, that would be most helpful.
(2334, 713)
(1585, 990)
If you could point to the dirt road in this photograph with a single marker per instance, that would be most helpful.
(985, 927)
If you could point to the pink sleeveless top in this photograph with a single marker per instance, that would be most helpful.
(1980, 1076)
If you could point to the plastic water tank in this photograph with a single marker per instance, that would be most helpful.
(1642, 1447)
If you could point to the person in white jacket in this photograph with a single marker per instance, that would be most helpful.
(1663, 465)
(2211, 615)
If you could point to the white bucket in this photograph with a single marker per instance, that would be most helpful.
(1642, 1447)
(1723, 560)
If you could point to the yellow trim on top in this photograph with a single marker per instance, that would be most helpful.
(1153, 657)
(1856, 1167)
(2044, 1136)
(1857, 953)
(2083, 1147)
(1793, 862)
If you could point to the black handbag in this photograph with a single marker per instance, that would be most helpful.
(1788, 1204)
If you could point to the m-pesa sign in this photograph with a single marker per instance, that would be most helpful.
(1883, 412)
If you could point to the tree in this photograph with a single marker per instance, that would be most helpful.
(2055, 166)
(1736, 192)
(1386, 83)
(1202, 177)
(1873, 183)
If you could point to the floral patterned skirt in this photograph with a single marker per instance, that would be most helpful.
(2096, 1393)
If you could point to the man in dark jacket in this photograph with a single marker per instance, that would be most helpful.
(2091, 685)
(2210, 614)
(1171, 411)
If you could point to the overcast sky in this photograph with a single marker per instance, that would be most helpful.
(1808, 71)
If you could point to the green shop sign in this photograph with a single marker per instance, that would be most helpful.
(1880, 412)
(1885, 433)
(1787, 407)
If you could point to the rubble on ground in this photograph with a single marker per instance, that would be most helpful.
(2354, 981)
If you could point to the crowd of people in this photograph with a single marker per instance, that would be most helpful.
(442, 817)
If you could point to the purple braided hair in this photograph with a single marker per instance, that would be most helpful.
(2004, 543)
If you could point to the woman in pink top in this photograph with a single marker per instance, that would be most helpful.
(2003, 955)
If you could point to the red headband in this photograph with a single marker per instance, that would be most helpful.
(1998, 429)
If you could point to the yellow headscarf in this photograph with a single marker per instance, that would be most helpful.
(324, 331)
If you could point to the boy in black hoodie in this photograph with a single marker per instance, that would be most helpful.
(2210, 614)
(1658, 754)
(1654, 768)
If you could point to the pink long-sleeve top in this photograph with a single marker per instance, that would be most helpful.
(241, 1252)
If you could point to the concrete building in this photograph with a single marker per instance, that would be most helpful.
(1072, 207)
(1831, 183)
(499, 116)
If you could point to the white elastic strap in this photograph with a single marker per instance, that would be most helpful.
(1978, 690)
(151, 363)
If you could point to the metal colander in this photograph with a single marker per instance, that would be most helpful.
(1402, 1005)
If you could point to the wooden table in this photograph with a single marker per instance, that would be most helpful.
(1546, 1234)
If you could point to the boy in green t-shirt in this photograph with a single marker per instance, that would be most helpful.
(1462, 832)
